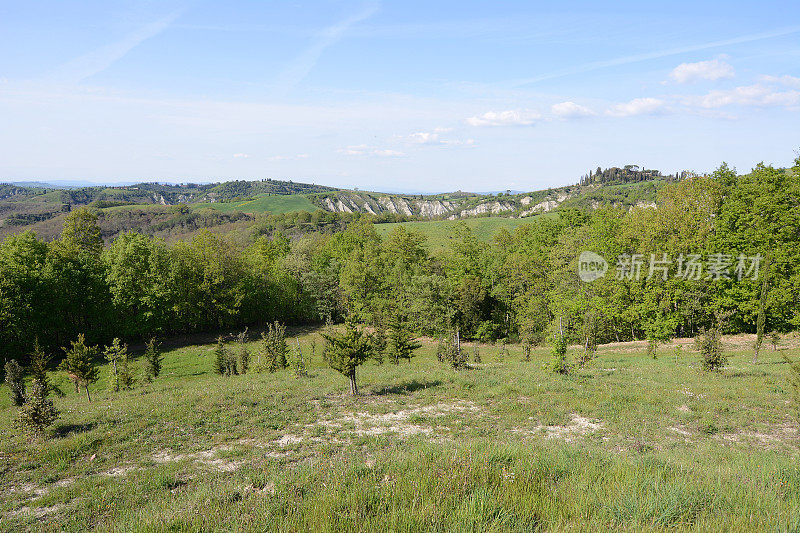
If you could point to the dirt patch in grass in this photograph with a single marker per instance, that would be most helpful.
(578, 426)
(779, 435)
(205, 457)
(404, 422)
(38, 512)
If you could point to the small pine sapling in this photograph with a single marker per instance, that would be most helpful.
(453, 354)
(503, 351)
(476, 355)
(345, 351)
(559, 364)
(709, 345)
(114, 354)
(794, 382)
(79, 364)
(273, 348)
(775, 340)
(441, 350)
(381, 345)
(15, 379)
(243, 354)
(400, 344)
(38, 411)
(153, 359)
(38, 368)
(298, 362)
(127, 371)
(224, 360)
(526, 351)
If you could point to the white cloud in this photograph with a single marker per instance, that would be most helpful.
(571, 110)
(364, 150)
(288, 157)
(505, 118)
(423, 137)
(748, 95)
(434, 138)
(241, 156)
(388, 153)
(789, 81)
(714, 69)
(637, 106)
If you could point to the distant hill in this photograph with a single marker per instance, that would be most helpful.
(176, 210)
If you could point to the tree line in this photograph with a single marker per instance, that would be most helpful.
(522, 286)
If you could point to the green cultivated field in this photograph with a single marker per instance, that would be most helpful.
(627, 443)
(276, 204)
(440, 232)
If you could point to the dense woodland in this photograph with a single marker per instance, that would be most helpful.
(627, 174)
(523, 286)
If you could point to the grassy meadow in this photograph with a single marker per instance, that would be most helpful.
(439, 232)
(276, 204)
(626, 443)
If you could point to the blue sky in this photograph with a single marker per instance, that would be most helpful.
(411, 96)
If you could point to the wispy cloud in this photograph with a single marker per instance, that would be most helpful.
(789, 81)
(435, 138)
(571, 110)
(85, 66)
(626, 60)
(712, 70)
(757, 95)
(295, 157)
(505, 118)
(305, 62)
(365, 150)
(637, 106)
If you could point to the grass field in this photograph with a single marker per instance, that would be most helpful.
(439, 232)
(276, 204)
(627, 443)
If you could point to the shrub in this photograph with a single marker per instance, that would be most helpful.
(488, 331)
(559, 363)
(127, 372)
(452, 353)
(709, 345)
(224, 360)
(273, 348)
(243, 354)
(652, 348)
(775, 340)
(38, 412)
(153, 359)
(15, 381)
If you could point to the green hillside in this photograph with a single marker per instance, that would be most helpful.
(275, 204)
(439, 232)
